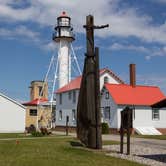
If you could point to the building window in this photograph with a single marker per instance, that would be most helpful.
(107, 113)
(106, 80)
(33, 112)
(74, 96)
(60, 98)
(155, 114)
(73, 115)
(40, 91)
(60, 115)
(107, 95)
(69, 95)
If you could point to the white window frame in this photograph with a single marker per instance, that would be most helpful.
(155, 113)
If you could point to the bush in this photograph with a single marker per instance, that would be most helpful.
(45, 131)
(30, 129)
(36, 134)
(105, 128)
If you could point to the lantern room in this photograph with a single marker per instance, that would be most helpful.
(63, 29)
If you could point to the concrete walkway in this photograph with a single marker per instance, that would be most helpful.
(153, 143)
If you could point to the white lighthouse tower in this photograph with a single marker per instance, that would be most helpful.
(64, 37)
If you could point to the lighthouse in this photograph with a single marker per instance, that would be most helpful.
(64, 37)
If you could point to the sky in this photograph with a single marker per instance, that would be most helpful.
(137, 34)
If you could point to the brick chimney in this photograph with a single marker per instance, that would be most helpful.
(132, 75)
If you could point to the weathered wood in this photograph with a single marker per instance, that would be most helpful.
(126, 125)
(88, 108)
(97, 95)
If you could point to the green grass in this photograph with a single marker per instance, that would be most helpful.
(12, 135)
(111, 142)
(159, 137)
(55, 151)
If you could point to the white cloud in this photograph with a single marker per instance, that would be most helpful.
(147, 52)
(124, 22)
(117, 46)
(150, 79)
(20, 31)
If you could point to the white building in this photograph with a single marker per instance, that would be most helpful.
(12, 115)
(67, 97)
(146, 119)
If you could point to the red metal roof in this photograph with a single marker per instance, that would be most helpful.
(35, 102)
(75, 84)
(138, 95)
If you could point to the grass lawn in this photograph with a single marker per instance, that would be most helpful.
(12, 135)
(160, 137)
(53, 151)
(106, 142)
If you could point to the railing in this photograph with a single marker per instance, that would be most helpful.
(56, 35)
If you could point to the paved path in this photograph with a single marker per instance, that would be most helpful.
(153, 143)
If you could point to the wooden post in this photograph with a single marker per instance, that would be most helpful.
(67, 125)
(128, 141)
(88, 108)
(121, 134)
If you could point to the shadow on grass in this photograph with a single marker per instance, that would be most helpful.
(76, 144)
(157, 157)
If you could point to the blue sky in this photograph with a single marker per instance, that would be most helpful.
(137, 34)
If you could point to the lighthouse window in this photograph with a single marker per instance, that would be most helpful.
(64, 22)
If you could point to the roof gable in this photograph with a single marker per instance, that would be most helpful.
(75, 83)
(138, 95)
(12, 100)
(104, 70)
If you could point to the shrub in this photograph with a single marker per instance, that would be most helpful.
(45, 131)
(30, 129)
(36, 134)
(105, 128)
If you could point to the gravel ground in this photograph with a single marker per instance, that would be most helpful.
(141, 154)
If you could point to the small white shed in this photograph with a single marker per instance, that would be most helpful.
(12, 115)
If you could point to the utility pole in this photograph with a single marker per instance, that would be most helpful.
(88, 109)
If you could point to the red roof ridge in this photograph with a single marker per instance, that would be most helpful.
(148, 86)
